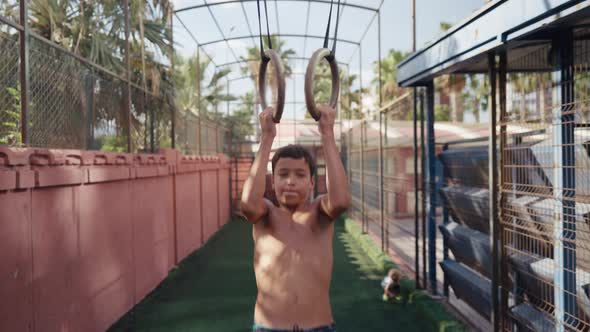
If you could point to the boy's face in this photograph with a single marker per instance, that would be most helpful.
(292, 181)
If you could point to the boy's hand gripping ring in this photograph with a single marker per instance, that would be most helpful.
(309, 78)
(272, 56)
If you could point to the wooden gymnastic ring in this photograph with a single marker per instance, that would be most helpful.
(272, 56)
(310, 76)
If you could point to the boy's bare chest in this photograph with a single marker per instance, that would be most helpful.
(297, 241)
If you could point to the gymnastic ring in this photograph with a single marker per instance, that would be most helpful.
(310, 76)
(272, 56)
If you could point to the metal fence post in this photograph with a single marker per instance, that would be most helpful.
(381, 219)
(493, 194)
(127, 73)
(172, 103)
(24, 72)
(431, 187)
(199, 100)
(445, 216)
(423, 189)
(363, 223)
(566, 310)
(89, 108)
(152, 113)
(504, 280)
(416, 195)
(385, 145)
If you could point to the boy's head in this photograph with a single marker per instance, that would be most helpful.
(395, 275)
(293, 168)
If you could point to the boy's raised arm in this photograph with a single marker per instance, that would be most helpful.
(338, 198)
(252, 203)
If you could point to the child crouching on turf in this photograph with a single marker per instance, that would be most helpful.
(391, 286)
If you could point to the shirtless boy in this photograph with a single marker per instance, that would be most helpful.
(293, 241)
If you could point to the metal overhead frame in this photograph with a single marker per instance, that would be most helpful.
(221, 32)
(290, 58)
(194, 38)
(248, 24)
(308, 1)
(358, 48)
(293, 35)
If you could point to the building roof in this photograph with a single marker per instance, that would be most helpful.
(520, 25)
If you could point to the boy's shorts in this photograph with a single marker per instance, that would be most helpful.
(327, 328)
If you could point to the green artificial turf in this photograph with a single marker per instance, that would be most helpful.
(214, 290)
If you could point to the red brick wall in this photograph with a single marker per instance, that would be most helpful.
(87, 235)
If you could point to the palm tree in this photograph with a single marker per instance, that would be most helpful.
(451, 86)
(349, 99)
(476, 97)
(524, 84)
(10, 10)
(390, 89)
(194, 93)
(94, 30)
(240, 120)
(253, 62)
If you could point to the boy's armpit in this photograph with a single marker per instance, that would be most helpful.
(322, 204)
(255, 217)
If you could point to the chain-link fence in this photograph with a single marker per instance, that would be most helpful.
(546, 186)
(10, 109)
(543, 192)
(70, 102)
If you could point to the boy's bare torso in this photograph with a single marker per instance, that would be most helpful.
(293, 266)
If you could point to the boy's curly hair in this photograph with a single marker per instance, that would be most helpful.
(395, 275)
(295, 152)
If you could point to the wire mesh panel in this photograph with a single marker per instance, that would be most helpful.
(187, 132)
(161, 124)
(398, 172)
(10, 108)
(354, 172)
(142, 108)
(546, 186)
(109, 113)
(58, 108)
(209, 137)
(371, 177)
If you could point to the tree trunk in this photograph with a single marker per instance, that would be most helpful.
(456, 105)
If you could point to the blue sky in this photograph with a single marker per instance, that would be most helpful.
(395, 19)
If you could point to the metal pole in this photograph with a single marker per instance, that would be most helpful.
(385, 145)
(128, 72)
(413, 25)
(383, 239)
(566, 308)
(152, 121)
(379, 54)
(216, 119)
(89, 108)
(172, 102)
(364, 226)
(445, 222)
(493, 194)
(381, 219)
(362, 170)
(360, 82)
(504, 281)
(416, 196)
(24, 72)
(199, 100)
(431, 187)
(423, 188)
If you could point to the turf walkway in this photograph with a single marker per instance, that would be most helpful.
(214, 290)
